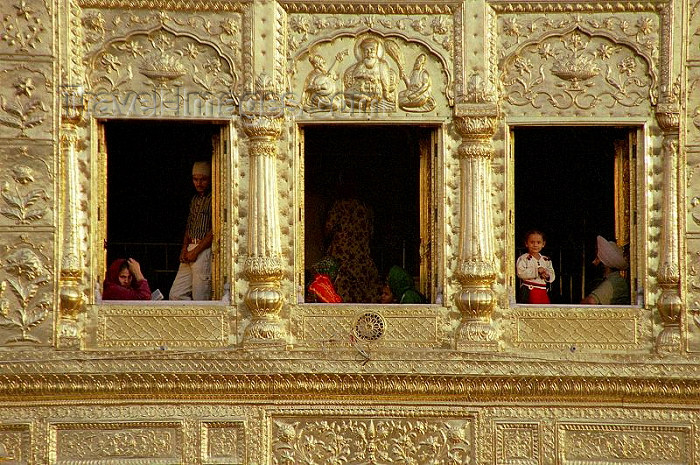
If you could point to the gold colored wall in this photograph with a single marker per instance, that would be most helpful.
(260, 378)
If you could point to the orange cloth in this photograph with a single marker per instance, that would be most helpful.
(323, 289)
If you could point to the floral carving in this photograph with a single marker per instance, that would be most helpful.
(26, 278)
(352, 441)
(22, 28)
(438, 28)
(26, 111)
(167, 61)
(23, 205)
(576, 70)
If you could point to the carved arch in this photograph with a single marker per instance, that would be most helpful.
(581, 66)
(163, 64)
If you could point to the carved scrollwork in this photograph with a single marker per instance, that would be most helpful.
(409, 441)
(24, 204)
(577, 70)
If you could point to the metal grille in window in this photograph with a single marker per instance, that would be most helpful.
(370, 326)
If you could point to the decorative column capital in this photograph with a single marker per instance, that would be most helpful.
(668, 117)
(262, 111)
(476, 120)
(72, 105)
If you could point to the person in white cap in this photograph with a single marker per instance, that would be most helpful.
(193, 279)
(614, 290)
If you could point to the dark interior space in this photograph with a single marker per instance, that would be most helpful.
(149, 187)
(382, 163)
(564, 186)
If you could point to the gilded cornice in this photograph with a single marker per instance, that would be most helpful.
(506, 6)
(172, 5)
(305, 386)
(386, 8)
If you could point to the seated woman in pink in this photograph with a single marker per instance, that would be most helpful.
(125, 281)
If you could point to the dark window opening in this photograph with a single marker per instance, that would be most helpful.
(380, 166)
(149, 188)
(571, 183)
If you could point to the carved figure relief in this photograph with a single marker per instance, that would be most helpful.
(416, 97)
(371, 83)
(576, 70)
(320, 90)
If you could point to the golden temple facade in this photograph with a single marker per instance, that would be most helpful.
(282, 92)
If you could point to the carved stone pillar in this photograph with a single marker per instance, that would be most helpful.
(262, 117)
(476, 122)
(71, 275)
(670, 303)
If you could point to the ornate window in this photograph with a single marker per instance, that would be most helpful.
(574, 184)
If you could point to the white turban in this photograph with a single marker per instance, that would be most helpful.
(201, 167)
(611, 254)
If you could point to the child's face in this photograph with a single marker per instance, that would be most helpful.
(534, 243)
(387, 297)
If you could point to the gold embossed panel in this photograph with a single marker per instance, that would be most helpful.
(377, 436)
(15, 443)
(27, 192)
(606, 444)
(517, 443)
(112, 443)
(693, 319)
(575, 328)
(571, 64)
(223, 442)
(26, 100)
(392, 326)
(136, 326)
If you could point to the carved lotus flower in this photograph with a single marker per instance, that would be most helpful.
(164, 67)
(575, 69)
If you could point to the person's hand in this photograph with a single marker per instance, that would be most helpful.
(190, 256)
(543, 273)
(135, 269)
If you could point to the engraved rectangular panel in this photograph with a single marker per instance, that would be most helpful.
(139, 326)
(410, 437)
(28, 185)
(383, 326)
(26, 288)
(16, 444)
(124, 443)
(601, 444)
(693, 295)
(27, 100)
(223, 442)
(693, 111)
(517, 443)
(612, 329)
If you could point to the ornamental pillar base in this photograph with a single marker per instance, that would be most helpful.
(476, 330)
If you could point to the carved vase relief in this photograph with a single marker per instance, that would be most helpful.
(576, 70)
(162, 64)
(580, 61)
